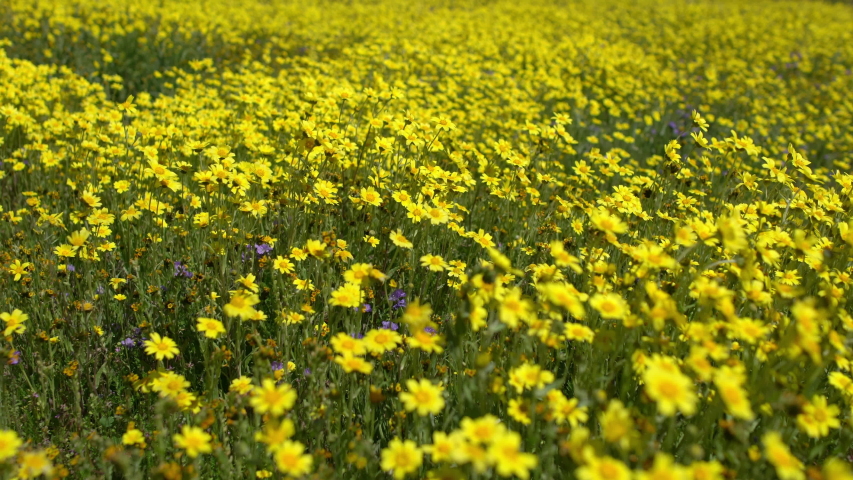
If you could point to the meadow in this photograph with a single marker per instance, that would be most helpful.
(442, 239)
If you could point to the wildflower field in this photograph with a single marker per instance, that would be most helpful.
(440, 239)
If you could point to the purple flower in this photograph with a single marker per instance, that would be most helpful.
(262, 249)
(181, 270)
(429, 330)
(390, 326)
(397, 295)
(366, 308)
(15, 358)
(277, 366)
(128, 342)
(306, 372)
(70, 268)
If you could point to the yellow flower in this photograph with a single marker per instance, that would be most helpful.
(603, 468)
(298, 254)
(242, 305)
(161, 347)
(443, 446)
(672, 390)
(417, 316)
(275, 432)
(401, 457)
(381, 340)
(65, 251)
(349, 295)
(9, 444)
(326, 190)
(566, 409)
(315, 248)
(34, 464)
(566, 296)
(514, 309)
(729, 386)
(434, 262)
(272, 399)
(18, 269)
(505, 453)
(248, 282)
(482, 238)
(788, 467)
(707, 470)
(133, 436)
(818, 417)
(422, 396)
(428, 342)
(282, 264)
(351, 363)
(345, 344)
(519, 410)
(303, 284)
(616, 424)
(371, 196)
(370, 239)
(665, 468)
(291, 459)
(14, 322)
(528, 376)
(194, 440)
(241, 385)
(601, 220)
(576, 331)
(481, 430)
(358, 273)
(398, 239)
(170, 384)
(210, 327)
(610, 306)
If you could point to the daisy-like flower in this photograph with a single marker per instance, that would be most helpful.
(343, 344)
(161, 347)
(505, 453)
(242, 305)
(672, 390)
(818, 417)
(241, 385)
(398, 239)
(610, 306)
(14, 322)
(422, 396)
(401, 458)
(282, 264)
(9, 444)
(291, 459)
(349, 295)
(133, 436)
(194, 440)
(34, 464)
(273, 399)
(607, 223)
(65, 251)
(381, 340)
(434, 262)
(351, 363)
(19, 269)
(210, 327)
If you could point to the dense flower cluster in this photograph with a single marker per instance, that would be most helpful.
(437, 240)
